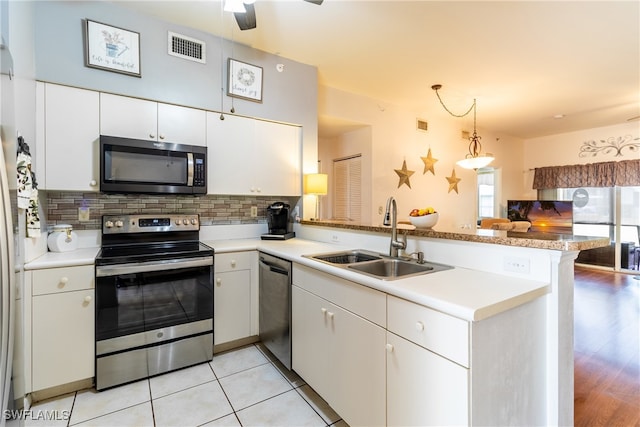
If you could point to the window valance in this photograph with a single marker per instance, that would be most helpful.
(625, 173)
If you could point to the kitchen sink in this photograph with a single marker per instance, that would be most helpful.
(377, 265)
(346, 257)
(392, 269)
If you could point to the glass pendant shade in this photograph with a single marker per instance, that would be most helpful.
(475, 162)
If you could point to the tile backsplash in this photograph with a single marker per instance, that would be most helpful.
(63, 206)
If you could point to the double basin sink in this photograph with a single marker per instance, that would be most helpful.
(377, 265)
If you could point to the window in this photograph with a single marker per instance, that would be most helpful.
(612, 212)
(347, 191)
(486, 193)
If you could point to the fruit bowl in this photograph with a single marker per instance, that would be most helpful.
(424, 221)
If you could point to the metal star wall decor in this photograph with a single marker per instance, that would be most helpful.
(404, 174)
(453, 181)
(429, 161)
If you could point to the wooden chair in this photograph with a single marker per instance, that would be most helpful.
(487, 223)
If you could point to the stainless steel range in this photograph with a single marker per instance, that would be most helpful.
(154, 297)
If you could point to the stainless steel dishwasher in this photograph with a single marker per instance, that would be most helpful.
(275, 306)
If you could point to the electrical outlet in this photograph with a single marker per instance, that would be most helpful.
(517, 264)
(380, 210)
(83, 214)
(254, 211)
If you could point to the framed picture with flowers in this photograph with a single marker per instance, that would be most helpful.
(112, 49)
(245, 80)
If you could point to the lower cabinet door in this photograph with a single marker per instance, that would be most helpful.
(341, 356)
(63, 340)
(424, 388)
(232, 306)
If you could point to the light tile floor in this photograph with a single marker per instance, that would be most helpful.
(242, 387)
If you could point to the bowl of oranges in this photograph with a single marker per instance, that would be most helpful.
(423, 218)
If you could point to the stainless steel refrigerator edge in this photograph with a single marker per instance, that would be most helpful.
(7, 243)
(275, 306)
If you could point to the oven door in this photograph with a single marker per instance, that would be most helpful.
(137, 298)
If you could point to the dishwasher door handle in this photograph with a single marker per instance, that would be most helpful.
(274, 268)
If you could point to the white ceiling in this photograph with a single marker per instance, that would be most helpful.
(524, 61)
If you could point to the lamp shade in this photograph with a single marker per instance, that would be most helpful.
(476, 162)
(315, 183)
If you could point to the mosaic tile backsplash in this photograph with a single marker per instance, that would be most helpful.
(62, 207)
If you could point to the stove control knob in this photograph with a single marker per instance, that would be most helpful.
(185, 221)
(194, 221)
(178, 222)
(119, 223)
(108, 224)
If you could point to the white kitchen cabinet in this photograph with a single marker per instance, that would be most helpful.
(153, 121)
(62, 326)
(339, 353)
(235, 296)
(427, 388)
(69, 136)
(249, 156)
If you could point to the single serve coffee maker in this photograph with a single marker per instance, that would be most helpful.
(278, 222)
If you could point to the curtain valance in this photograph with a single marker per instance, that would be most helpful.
(625, 173)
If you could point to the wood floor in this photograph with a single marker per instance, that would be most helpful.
(606, 349)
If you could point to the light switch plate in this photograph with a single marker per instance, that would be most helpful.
(83, 214)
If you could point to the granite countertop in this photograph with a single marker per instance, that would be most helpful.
(534, 240)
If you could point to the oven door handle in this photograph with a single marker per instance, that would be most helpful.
(142, 267)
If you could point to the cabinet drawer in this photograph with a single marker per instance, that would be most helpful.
(234, 261)
(52, 280)
(433, 330)
(361, 300)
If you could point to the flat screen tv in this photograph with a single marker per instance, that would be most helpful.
(548, 216)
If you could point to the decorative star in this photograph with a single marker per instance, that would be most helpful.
(404, 174)
(428, 163)
(453, 181)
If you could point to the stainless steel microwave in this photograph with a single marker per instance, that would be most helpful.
(151, 167)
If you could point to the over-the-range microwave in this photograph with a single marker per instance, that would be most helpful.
(151, 167)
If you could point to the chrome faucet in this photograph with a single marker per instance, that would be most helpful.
(391, 219)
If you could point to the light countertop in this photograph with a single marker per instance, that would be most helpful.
(468, 294)
(464, 293)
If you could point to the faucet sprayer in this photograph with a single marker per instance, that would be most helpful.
(387, 213)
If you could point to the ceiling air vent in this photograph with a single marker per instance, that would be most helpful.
(187, 48)
(421, 125)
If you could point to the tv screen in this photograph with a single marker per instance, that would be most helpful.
(548, 216)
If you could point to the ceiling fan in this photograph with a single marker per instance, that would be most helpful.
(247, 20)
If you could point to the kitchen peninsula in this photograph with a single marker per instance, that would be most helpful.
(546, 258)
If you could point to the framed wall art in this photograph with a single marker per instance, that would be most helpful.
(245, 81)
(111, 48)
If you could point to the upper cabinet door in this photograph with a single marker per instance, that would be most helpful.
(230, 154)
(254, 157)
(71, 138)
(278, 158)
(128, 117)
(182, 125)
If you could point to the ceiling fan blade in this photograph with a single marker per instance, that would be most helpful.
(318, 2)
(247, 20)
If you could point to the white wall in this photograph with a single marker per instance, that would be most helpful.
(565, 149)
(395, 138)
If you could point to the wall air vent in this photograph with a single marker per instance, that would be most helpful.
(187, 48)
(422, 125)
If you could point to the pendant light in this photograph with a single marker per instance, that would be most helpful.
(476, 158)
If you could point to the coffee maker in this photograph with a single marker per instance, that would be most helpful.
(278, 222)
